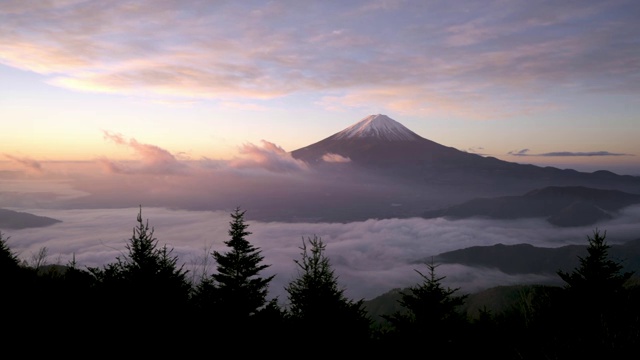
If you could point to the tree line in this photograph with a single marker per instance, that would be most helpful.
(145, 303)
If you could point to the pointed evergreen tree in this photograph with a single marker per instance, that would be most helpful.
(318, 308)
(240, 291)
(234, 297)
(596, 307)
(151, 272)
(145, 285)
(430, 312)
(597, 275)
(8, 260)
(14, 279)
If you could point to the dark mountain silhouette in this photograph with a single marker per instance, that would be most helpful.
(519, 259)
(10, 219)
(496, 299)
(529, 259)
(560, 205)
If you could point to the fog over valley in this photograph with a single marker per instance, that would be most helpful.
(370, 257)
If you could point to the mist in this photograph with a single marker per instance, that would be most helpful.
(369, 257)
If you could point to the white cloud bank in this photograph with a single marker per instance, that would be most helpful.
(370, 257)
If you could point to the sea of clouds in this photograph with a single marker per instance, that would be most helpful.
(369, 257)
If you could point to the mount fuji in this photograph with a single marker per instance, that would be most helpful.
(381, 169)
(377, 141)
(381, 144)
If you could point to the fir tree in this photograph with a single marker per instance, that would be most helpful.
(597, 276)
(240, 291)
(152, 272)
(145, 286)
(430, 312)
(8, 260)
(318, 307)
(597, 314)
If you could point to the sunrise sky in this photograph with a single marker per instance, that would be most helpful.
(544, 82)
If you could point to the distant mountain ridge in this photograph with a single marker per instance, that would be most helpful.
(560, 205)
(529, 259)
(10, 219)
(518, 259)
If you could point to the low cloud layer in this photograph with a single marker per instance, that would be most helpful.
(369, 257)
(335, 158)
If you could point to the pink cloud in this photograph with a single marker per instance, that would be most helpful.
(154, 159)
(269, 156)
(111, 167)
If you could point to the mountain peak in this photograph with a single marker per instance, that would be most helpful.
(377, 126)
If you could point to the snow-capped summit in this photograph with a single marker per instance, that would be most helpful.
(377, 126)
(378, 141)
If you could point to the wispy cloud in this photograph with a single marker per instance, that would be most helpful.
(28, 163)
(525, 152)
(590, 153)
(522, 152)
(472, 65)
(479, 150)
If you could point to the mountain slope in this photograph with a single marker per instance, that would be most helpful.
(379, 141)
(382, 145)
(379, 127)
(529, 259)
(10, 219)
(560, 205)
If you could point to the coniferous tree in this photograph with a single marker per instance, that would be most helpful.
(12, 274)
(597, 275)
(596, 310)
(19, 289)
(318, 308)
(430, 312)
(148, 271)
(234, 297)
(13, 277)
(8, 260)
(145, 285)
(238, 289)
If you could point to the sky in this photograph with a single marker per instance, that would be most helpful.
(164, 82)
